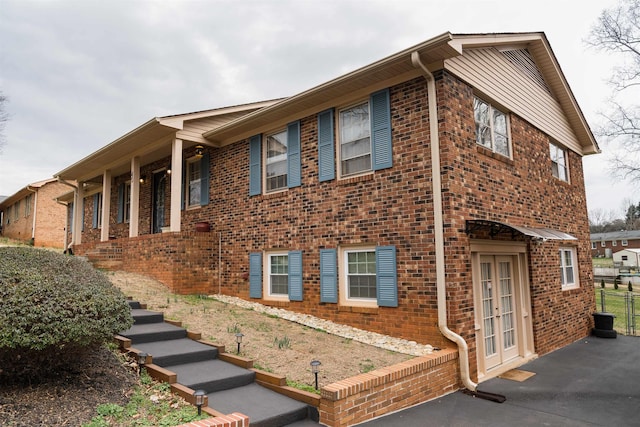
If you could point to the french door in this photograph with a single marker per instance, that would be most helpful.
(498, 309)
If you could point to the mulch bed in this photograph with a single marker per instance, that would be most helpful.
(69, 398)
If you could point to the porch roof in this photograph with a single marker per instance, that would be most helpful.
(496, 227)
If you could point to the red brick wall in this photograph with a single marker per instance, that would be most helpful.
(522, 191)
(394, 207)
(50, 218)
(376, 393)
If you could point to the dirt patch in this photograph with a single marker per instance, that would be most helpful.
(71, 397)
(275, 344)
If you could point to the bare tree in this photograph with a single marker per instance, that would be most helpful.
(618, 31)
(4, 118)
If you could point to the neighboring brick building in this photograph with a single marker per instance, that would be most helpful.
(435, 195)
(606, 244)
(33, 215)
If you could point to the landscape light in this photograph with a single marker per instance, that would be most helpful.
(199, 399)
(142, 360)
(314, 368)
(239, 340)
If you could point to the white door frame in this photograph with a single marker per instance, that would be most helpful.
(516, 252)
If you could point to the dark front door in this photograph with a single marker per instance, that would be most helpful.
(159, 185)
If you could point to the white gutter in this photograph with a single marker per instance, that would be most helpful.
(463, 349)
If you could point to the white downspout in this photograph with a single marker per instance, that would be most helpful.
(463, 349)
(35, 209)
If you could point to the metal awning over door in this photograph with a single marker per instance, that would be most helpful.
(494, 228)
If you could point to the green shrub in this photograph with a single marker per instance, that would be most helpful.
(602, 283)
(54, 311)
(616, 282)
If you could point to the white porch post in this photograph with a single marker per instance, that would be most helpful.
(176, 185)
(106, 205)
(134, 219)
(76, 228)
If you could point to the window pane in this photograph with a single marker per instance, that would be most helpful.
(481, 111)
(193, 198)
(499, 122)
(501, 145)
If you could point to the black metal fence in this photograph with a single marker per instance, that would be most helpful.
(625, 306)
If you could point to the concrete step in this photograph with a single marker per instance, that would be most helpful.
(142, 317)
(212, 375)
(134, 304)
(264, 407)
(153, 332)
(177, 352)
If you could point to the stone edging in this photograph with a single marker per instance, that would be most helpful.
(371, 338)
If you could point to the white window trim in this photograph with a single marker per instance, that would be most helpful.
(338, 135)
(574, 264)
(508, 124)
(266, 274)
(187, 190)
(343, 290)
(614, 243)
(594, 245)
(604, 244)
(625, 242)
(265, 149)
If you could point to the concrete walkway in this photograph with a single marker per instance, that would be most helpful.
(592, 382)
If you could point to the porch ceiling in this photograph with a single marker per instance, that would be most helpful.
(494, 228)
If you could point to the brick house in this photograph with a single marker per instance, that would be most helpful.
(33, 215)
(435, 195)
(606, 244)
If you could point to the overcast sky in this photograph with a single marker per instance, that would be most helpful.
(79, 74)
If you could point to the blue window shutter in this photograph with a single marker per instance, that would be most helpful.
(382, 152)
(204, 179)
(255, 155)
(295, 276)
(386, 276)
(96, 206)
(183, 187)
(255, 275)
(326, 146)
(328, 276)
(120, 203)
(293, 154)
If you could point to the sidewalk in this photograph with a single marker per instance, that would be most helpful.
(594, 381)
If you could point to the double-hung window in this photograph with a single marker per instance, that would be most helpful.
(491, 127)
(276, 161)
(97, 211)
(27, 205)
(568, 273)
(16, 211)
(624, 242)
(278, 266)
(559, 166)
(360, 269)
(194, 182)
(355, 140)
(593, 245)
(124, 202)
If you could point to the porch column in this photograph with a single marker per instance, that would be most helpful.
(106, 205)
(78, 215)
(134, 217)
(176, 185)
